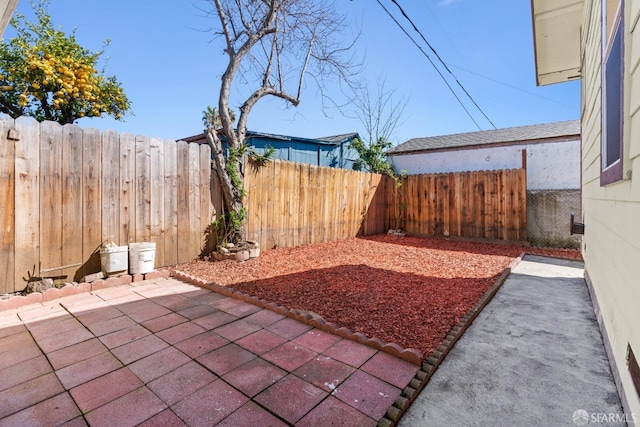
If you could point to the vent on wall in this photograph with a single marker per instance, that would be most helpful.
(634, 369)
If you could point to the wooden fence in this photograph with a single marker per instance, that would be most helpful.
(291, 204)
(480, 204)
(65, 190)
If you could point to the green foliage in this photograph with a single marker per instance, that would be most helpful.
(229, 225)
(373, 159)
(234, 159)
(46, 74)
(264, 158)
(373, 156)
(211, 118)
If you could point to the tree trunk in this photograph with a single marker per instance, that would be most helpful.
(231, 195)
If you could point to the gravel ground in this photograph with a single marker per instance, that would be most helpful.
(409, 290)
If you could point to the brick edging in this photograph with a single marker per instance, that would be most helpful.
(74, 288)
(411, 355)
(430, 365)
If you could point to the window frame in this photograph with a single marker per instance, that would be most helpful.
(611, 171)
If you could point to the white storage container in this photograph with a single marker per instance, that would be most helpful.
(113, 259)
(142, 257)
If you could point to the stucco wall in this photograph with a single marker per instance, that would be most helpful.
(611, 244)
(550, 166)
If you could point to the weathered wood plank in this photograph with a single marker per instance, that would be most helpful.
(7, 211)
(170, 189)
(288, 215)
(27, 201)
(111, 187)
(441, 194)
(206, 208)
(268, 174)
(252, 200)
(91, 201)
(487, 209)
(71, 200)
(143, 189)
(127, 210)
(51, 199)
(194, 202)
(304, 198)
(156, 197)
(183, 202)
(315, 207)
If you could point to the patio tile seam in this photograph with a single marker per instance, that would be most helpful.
(410, 355)
(431, 364)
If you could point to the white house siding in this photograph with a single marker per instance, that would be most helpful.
(550, 165)
(611, 245)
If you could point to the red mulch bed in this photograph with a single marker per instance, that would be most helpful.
(410, 291)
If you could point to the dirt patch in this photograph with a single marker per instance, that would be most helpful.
(410, 291)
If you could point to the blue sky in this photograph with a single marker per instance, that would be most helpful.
(170, 66)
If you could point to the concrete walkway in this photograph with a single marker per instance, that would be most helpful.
(533, 357)
(166, 353)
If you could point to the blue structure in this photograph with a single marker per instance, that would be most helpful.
(332, 151)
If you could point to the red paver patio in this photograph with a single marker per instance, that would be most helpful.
(166, 353)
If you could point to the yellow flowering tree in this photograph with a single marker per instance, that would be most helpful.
(47, 75)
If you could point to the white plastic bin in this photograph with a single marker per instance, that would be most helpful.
(113, 259)
(142, 257)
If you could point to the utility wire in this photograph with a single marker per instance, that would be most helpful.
(432, 63)
(509, 85)
(466, 66)
(441, 61)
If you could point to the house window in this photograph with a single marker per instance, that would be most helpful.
(612, 92)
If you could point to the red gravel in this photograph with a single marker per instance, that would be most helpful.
(410, 291)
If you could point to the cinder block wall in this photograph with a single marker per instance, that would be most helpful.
(548, 218)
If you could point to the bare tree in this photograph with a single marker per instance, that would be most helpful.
(273, 47)
(380, 112)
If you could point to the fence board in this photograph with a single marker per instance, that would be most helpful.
(27, 202)
(110, 187)
(183, 202)
(51, 197)
(170, 188)
(127, 189)
(290, 201)
(315, 232)
(71, 200)
(304, 199)
(156, 197)
(194, 202)
(92, 198)
(7, 199)
(254, 200)
(206, 208)
(142, 225)
(267, 174)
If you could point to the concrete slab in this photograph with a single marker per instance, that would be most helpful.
(534, 356)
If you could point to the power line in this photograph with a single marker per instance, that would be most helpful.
(439, 58)
(510, 86)
(466, 66)
(432, 63)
